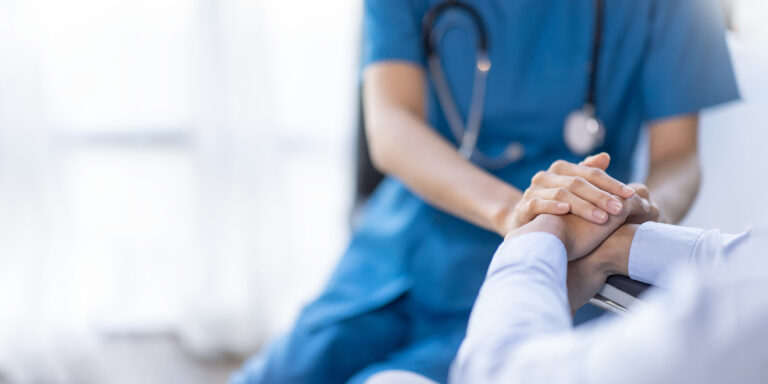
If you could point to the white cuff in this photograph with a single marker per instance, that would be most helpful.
(656, 247)
(532, 250)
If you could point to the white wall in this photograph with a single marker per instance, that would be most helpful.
(734, 145)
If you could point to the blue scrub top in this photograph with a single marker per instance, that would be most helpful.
(658, 58)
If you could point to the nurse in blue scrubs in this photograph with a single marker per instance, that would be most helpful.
(401, 294)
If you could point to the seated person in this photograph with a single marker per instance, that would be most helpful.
(706, 324)
(708, 327)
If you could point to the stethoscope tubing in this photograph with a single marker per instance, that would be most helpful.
(468, 138)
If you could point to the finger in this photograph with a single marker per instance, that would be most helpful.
(579, 206)
(640, 189)
(638, 206)
(596, 176)
(601, 160)
(532, 206)
(641, 216)
(654, 214)
(586, 191)
(538, 206)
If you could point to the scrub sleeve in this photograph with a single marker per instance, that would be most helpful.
(687, 66)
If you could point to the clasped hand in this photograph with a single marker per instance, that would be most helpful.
(583, 189)
(580, 237)
(592, 258)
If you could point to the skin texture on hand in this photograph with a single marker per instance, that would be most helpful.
(652, 214)
(587, 275)
(582, 237)
(606, 247)
(579, 236)
(583, 189)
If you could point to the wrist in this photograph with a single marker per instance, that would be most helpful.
(616, 250)
(550, 224)
(502, 218)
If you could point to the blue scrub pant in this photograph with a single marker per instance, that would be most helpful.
(400, 335)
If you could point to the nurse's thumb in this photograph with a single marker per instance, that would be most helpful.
(601, 160)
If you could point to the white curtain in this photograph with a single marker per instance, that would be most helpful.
(169, 166)
(277, 115)
(32, 303)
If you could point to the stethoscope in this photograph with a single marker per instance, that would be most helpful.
(583, 131)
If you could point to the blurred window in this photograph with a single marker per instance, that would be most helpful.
(116, 66)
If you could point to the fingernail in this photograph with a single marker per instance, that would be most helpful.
(646, 206)
(614, 206)
(562, 206)
(627, 190)
(599, 215)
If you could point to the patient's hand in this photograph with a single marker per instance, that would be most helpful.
(606, 246)
(587, 275)
(582, 237)
(579, 236)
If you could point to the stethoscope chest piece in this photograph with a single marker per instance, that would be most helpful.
(583, 131)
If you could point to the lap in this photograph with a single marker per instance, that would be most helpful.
(429, 358)
(330, 353)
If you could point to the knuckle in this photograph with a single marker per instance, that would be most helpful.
(594, 173)
(533, 204)
(539, 177)
(560, 194)
(641, 189)
(559, 164)
(576, 182)
(527, 194)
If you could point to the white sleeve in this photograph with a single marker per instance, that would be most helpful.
(524, 295)
(707, 328)
(658, 248)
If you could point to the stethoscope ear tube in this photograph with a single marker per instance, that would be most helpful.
(583, 132)
(466, 138)
(430, 20)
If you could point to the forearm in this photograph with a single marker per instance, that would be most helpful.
(403, 145)
(524, 296)
(674, 174)
(674, 184)
(511, 342)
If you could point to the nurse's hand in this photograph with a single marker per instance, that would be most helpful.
(584, 189)
(580, 237)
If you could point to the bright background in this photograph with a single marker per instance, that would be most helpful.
(184, 167)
